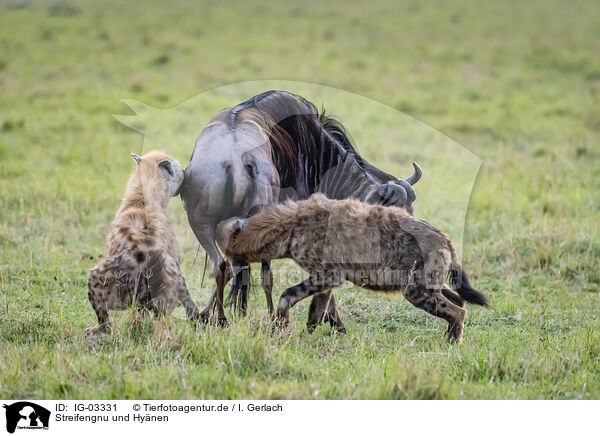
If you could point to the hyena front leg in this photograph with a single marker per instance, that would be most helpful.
(322, 308)
(433, 302)
(96, 297)
(186, 300)
(313, 285)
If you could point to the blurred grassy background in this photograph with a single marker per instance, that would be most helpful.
(516, 83)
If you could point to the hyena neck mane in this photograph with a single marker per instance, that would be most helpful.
(141, 194)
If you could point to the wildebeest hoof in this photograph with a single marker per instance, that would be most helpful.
(280, 323)
(311, 327)
(222, 322)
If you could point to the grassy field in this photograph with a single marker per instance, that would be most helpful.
(516, 83)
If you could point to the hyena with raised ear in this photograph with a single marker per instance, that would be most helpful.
(141, 261)
(376, 247)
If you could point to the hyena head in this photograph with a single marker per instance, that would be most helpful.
(227, 231)
(250, 239)
(159, 174)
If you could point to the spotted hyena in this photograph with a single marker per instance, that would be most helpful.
(376, 247)
(141, 261)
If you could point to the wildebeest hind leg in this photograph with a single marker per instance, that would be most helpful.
(322, 308)
(266, 277)
(239, 287)
(223, 276)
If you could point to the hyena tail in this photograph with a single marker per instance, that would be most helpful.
(460, 281)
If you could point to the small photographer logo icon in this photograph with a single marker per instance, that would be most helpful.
(26, 415)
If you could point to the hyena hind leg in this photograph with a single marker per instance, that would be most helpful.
(434, 303)
(107, 290)
(165, 286)
(453, 296)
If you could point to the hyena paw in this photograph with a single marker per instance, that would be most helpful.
(341, 330)
(454, 333)
(311, 327)
(97, 330)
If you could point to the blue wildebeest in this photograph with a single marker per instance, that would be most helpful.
(272, 147)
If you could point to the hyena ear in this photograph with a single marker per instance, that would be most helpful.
(167, 168)
(238, 225)
(136, 158)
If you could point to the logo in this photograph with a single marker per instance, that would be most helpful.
(26, 415)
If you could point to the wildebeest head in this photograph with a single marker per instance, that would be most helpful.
(398, 192)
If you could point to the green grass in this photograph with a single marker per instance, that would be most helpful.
(516, 83)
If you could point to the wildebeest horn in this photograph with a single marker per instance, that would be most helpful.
(416, 176)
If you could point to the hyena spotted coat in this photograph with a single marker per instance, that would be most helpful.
(141, 262)
(376, 247)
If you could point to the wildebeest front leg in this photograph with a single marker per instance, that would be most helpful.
(266, 277)
(322, 308)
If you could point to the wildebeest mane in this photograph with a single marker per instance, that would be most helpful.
(305, 142)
